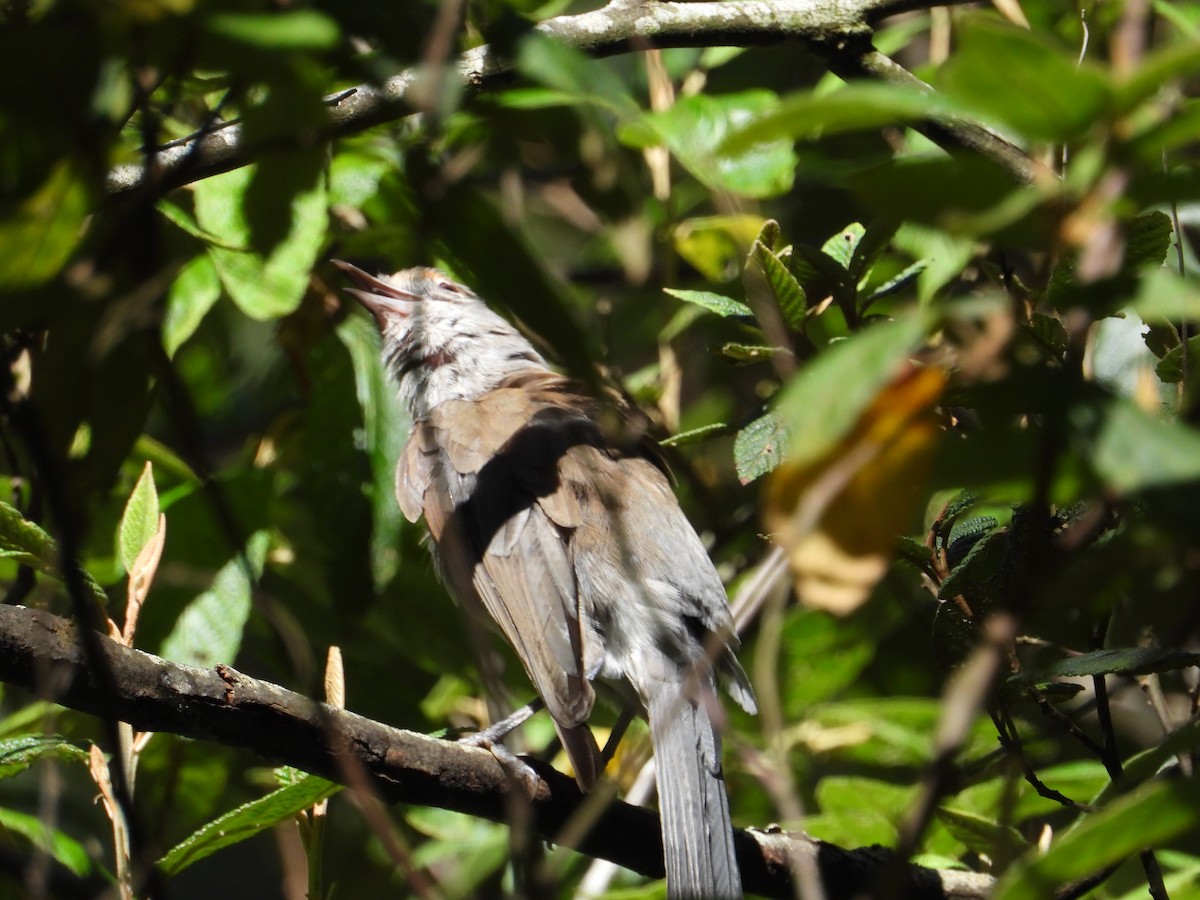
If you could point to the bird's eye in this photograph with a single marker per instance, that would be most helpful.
(445, 284)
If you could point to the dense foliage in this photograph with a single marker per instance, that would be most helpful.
(950, 380)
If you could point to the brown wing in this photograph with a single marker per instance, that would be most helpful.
(480, 487)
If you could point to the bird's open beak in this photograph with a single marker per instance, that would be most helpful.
(380, 297)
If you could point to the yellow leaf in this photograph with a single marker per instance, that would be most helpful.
(838, 517)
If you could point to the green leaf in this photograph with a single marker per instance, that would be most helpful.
(300, 29)
(1130, 450)
(725, 307)
(695, 435)
(1049, 332)
(1170, 367)
(246, 821)
(786, 291)
(209, 630)
(1116, 661)
(694, 130)
(264, 283)
(139, 522)
(1148, 240)
(843, 245)
(1023, 79)
(41, 232)
(61, 846)
(747, 353)
(826, 398)
(1000, 843)
(18, 753)
(896, 284)
(386, 424)
(1165, 296)
(574, 75)
(944, 255)
(853, 107)
(1151, 816)
(870, 244)
(28, 545)
(192, 294)
(759, 447)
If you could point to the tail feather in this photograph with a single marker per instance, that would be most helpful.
(697, 832)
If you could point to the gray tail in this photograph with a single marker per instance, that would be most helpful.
(697, 833)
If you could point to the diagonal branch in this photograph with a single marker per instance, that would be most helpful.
(41, 652)
(839, 29)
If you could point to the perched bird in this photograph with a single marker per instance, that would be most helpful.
(574, 544)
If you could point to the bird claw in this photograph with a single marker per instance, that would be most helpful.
(518, 771)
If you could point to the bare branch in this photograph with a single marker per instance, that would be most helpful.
(839, 29)
(41, 652)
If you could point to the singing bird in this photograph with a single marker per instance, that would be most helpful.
(573, 542)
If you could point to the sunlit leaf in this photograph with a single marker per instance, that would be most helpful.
(695, 128)
(1117, 661)
(716, 303)
(193, 293)
(266, 283)
(1152, 815)
(139, 522)
(18, 753)
(25, 543)
(41, 232)
(1023, 79)
(209, 630)
(759, 447)
(246, 821)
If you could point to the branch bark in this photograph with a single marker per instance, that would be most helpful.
(41, 652)
(839, 30)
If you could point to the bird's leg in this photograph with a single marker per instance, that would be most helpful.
(491, 737)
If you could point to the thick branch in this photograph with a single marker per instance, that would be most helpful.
(839, 28)
(40, 652)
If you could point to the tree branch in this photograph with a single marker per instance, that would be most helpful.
(41, 652)
(838, 29)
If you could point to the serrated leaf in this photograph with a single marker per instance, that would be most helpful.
(972, 527)
(1049, 332)
(61, 846)
(759, 447)
(1148, 240)
(209, 630)
(18, 753)
(723, 306)
(193, 292)
(1170, 368)
(788, 295)
(842, 246)
(139, 522)
(1117, 661)
(695, 435)
(28, 545)
(747, 353)
(246, 821)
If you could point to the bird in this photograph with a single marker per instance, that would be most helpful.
(569, 535)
